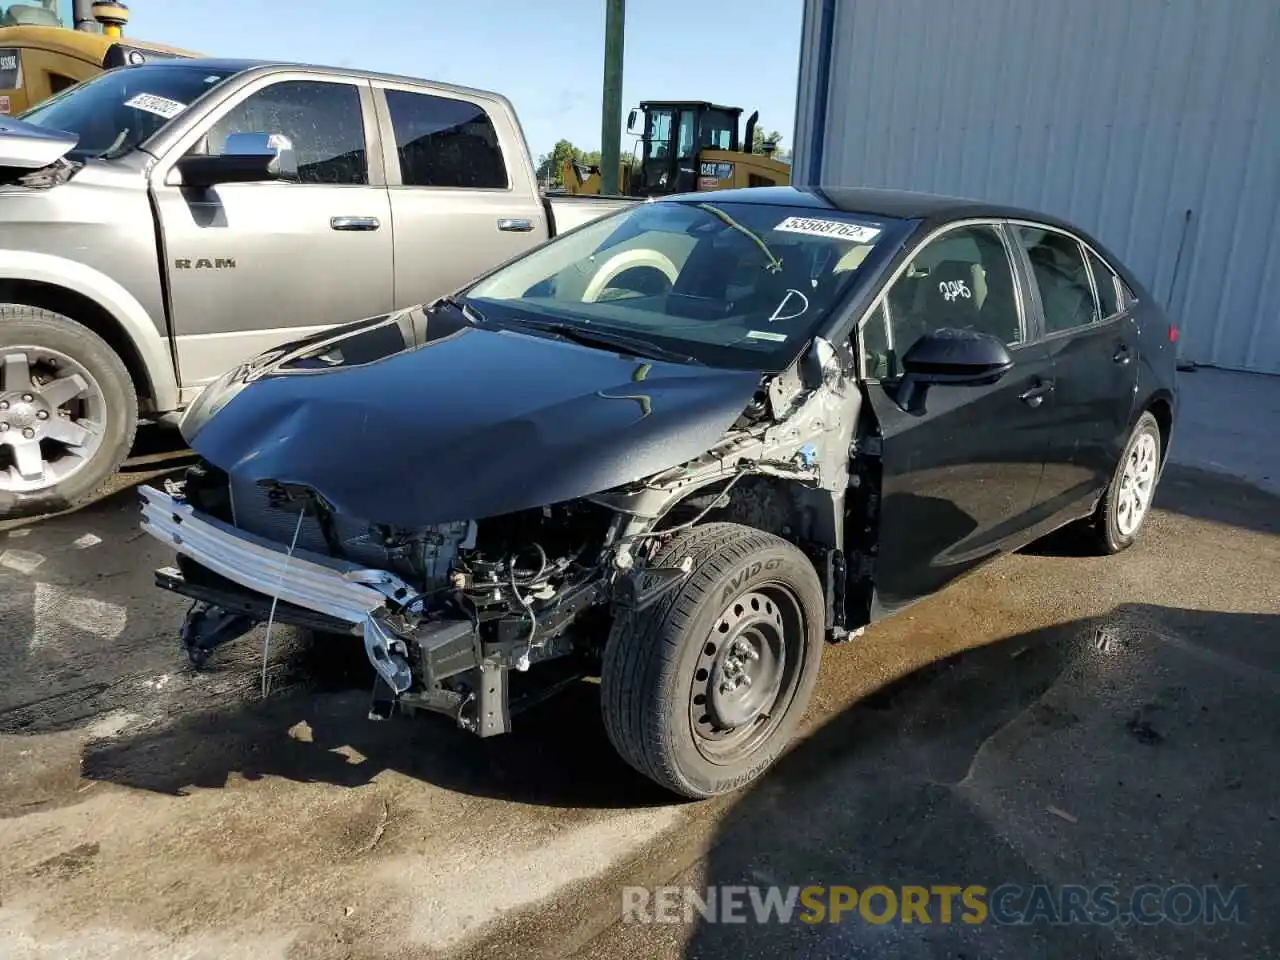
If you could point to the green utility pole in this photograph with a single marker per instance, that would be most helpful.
(611, 115)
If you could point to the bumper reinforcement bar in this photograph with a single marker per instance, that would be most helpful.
(341, 590)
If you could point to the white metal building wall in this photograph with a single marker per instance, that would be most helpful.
(1154, 124)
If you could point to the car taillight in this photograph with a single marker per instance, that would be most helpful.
(1173, 333)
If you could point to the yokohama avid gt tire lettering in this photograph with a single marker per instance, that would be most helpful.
(651, 661)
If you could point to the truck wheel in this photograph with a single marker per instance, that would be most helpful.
(1115, 524)
(702, 691)
(68, 411)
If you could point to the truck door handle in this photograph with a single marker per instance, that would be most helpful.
(515, 224)
(354, 223)
(1035, 396)
(1122, 355)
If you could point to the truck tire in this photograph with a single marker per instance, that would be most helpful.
(1123, 509)
(673, 697)
(68, 412)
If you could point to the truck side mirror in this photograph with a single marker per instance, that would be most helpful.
(245, 158)
(632, 119)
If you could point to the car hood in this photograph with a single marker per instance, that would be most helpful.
(393, 424)
(24, 146)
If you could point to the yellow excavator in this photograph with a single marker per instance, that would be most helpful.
(685, 146)
(41, 55)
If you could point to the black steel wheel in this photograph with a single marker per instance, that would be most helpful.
(702, 692)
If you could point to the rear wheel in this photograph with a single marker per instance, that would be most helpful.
(1123, 509)
(702, 692)
(67, 411)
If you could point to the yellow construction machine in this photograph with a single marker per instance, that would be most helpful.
(41, 55)
(685, 146)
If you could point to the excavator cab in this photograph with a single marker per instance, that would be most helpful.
(685, 146)
(674, 135)
(692, 145)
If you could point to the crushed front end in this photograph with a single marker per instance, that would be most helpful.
(445, 612)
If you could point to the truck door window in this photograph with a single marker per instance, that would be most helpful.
(323, 122)
(442, 142)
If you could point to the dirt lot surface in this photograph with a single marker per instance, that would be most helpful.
(1053, 719)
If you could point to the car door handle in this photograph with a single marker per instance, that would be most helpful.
(515, 224)
(354, 223)
(1122, 355)
(1035, 396)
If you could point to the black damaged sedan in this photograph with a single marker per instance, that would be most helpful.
(680, 449)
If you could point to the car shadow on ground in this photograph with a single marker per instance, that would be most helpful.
(1182, 490)
(1127, 749)
(556, 755)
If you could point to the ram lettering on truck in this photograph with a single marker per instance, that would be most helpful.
(220, 207)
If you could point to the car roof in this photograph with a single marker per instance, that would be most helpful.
(929, 210)
(934, 208)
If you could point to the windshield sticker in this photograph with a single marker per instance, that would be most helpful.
(790, 300)
(835, 229)
(153, 103)
(766, 335)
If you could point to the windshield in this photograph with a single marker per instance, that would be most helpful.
(120, 108)
(729, 284)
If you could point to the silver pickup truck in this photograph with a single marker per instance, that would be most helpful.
(161, 223)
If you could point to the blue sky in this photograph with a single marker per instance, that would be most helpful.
(546, 57)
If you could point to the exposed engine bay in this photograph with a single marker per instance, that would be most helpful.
(448, 610)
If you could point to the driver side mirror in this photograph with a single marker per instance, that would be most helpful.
(954, 357)
(245, 158)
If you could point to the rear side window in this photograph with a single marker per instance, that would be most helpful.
(443, 142)
(1058, 266)
(1105, 280)
(322, 121)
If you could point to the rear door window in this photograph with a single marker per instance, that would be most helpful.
(1059, 270)
(1105, 280)
(444, 142)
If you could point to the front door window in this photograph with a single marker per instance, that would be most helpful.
(686, 174)
(658, 152)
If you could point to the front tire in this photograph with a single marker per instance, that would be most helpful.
(68, 412)
(1123, 509)
(703, 691)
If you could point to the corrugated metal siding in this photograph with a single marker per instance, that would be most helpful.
(1120, 115)
(806, 88)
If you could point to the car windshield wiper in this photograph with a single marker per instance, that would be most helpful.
(637, 346)
(774, 265)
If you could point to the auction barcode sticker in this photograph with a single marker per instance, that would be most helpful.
(835, 229)
(153, 103)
